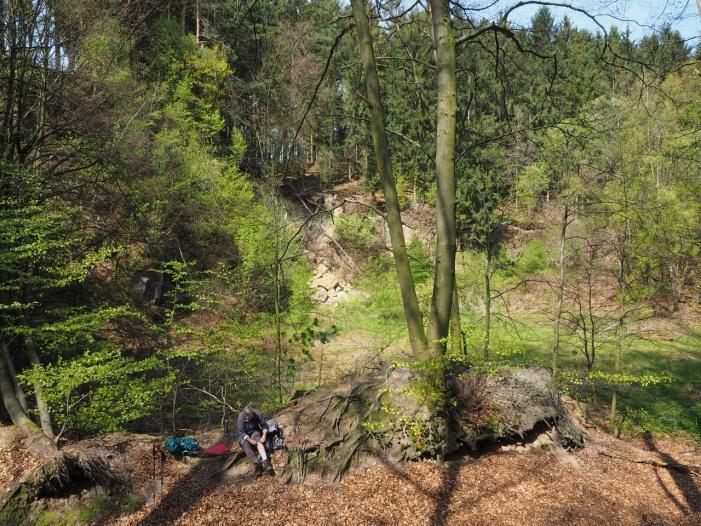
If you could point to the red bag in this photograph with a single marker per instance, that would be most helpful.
(218, 449)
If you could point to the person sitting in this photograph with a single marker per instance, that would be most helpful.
(252, 433)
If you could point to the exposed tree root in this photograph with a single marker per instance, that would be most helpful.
(383, 417)
(686, 468)
(63, 475)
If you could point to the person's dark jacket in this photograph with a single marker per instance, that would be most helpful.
(246, 428)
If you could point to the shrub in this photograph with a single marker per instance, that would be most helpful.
(534, 258)
(357, 233)
(419, 260)
(532, 182)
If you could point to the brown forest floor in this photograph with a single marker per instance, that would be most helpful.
(506, 488)
(534, 488)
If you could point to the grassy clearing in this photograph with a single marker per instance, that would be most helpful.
(671, 407)
(378, 308)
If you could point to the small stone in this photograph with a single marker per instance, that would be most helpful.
(320, 295)
(329, 282)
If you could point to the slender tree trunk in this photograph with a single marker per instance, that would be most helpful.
(45, 57)
(590, 307)
(44, 415)
(39, 442)
(410, 302)
(443, 283)
(21, 396)
(197, 21)
(278, 309)
(619, 347)
(6, 132)
(57, 44)
(25, 69)
(2, 27)
(455, 326)
(278, 332)
(487, 304)
(560, 288)
(622, 281)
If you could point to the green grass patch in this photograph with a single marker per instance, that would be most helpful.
(378, 310)
(534, 258)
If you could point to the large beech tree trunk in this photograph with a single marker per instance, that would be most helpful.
(39, 442)
(444, 279)
(410, 302)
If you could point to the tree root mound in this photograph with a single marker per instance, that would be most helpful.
(63, 475)
(383, 418)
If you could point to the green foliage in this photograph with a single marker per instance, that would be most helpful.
(42, 249)
(101, 390)
(481, 190)
(307, 337)
(532, 183)
(419, 261)
(533, 258)
(183, 293)
(619, 379)
(402, 188)
(357, 233)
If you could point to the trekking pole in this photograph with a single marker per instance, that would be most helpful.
(153, 456)
(163, 459)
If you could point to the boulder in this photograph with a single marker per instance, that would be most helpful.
(321, 270)
(328, 281)
(384, 417)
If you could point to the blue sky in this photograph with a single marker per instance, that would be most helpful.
(641, 16)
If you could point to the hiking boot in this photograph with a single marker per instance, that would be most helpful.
(269, 468)
(259, 469)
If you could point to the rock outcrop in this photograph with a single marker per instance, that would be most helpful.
(384, 417)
